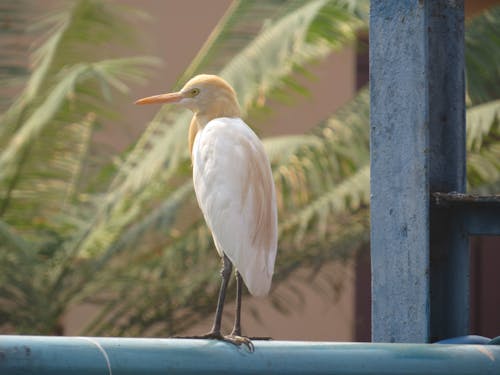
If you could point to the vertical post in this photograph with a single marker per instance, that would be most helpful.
(417, 113)
(399, 171)
(449, 242)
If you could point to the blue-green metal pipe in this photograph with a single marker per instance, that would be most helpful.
(120, 356)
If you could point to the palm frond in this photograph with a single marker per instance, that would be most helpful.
(280, 149)
(39, 119)
(341, 151)
(70, 36)
(10, 239)
(480, 119)
(241, 23)
(65, 117)
(15, 17)
(482, 53)
(271, 57)
(57, 104)
(483, 147)
(159, 218)
(349, 196)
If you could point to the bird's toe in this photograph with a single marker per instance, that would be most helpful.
(240, 340)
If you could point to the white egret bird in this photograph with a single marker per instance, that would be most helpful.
(234, 188)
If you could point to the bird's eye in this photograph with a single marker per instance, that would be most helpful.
(194, 92)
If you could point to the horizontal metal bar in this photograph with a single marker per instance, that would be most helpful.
(454, 199)
(127, 356)
(477, 215)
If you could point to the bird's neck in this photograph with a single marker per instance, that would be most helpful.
(224, 107)
(193, 130)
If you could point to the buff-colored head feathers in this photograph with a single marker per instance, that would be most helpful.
(208, 96)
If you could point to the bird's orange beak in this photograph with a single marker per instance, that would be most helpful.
(163, 98)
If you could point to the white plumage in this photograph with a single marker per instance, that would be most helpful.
(235, 191)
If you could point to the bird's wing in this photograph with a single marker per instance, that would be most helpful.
(235, 190)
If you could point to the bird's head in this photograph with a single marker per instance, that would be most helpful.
(206, 95)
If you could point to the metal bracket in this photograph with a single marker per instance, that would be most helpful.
(478, 215)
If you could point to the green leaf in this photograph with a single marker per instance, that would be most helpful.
(480, 120)
(482, 53)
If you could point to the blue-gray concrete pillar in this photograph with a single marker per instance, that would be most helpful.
(417, 146)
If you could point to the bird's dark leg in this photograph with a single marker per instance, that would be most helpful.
(235, 337)
(226, 274)
(215, 331)
(237, 319)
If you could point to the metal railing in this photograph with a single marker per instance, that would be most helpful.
(126, 356)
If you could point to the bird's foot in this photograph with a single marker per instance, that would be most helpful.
(232, 339)
(239, 340)
(213, 335)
